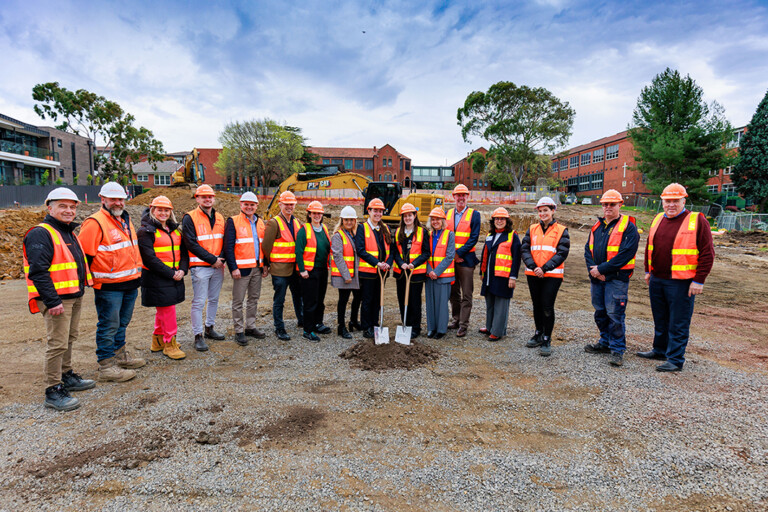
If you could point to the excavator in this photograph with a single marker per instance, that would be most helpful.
(332, 177)
(193, 173)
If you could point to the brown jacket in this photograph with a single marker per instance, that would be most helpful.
(270, 233)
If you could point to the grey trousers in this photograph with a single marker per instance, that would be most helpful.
(206, 285)
(250, 284)
(461, 295)
(496, 314)
(438, 295)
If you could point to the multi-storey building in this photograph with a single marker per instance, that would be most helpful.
(434, 176)
(76, 155)
(25, 153)
(463, 173)
(720, 179)
(379, 164)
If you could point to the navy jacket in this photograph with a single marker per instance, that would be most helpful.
(229, 248)
(383, 256)
(627, 250)
(467, 251)
(499, 286)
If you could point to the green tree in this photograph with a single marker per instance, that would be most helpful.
(677, 136)
(478, 162)
(104, 122)
(262, 149)
(519, 122)
(45, 179)
(750, 174)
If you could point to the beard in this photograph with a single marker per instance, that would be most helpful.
(116, 211)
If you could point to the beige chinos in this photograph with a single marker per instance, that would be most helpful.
(62, 332)
(250, 284)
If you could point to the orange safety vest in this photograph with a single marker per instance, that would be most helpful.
(463, 230)
(614, 240)
(349, 256)
(544, 246)
(284, 248)
(416, 245)
(311, 248)
(372, 248)
(685, 252)
(245, 252)
(210, 239)
(167, 248)
(502, 265)
(63, 268)
(439, 255)
(117, 258)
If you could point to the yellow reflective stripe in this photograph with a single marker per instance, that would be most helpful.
(591, 247)
(169, 263)
(631, 262)
(67, 284)
(167, 248)
(504, 257)
(280, 256)
(284, 244)
(683, 267)
(610, 248)
(462, 233)
(31, 288)
(688, 252)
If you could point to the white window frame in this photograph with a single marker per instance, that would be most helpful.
(163, 180)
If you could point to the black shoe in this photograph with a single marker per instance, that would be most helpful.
(354, 325)
(57, 397)
(668, 367)
(368, 333)
(343, 332)
(73, 382)
(311, 336)
(596, 348)
(652, 354)
(240, 339)
(299, 324)
(200, 344)
(282, 335)
(616, 359)
(415, 334)
(535, 340)
(211, 334)
(544, 349)
(255, 333)
(439, 335)
(431, 334)
(322, 329)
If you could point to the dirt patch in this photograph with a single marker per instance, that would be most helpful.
(759, 238)
(297, 423)
(366, 355)
(13, 225)
(184, 201)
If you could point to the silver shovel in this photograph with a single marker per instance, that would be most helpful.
(381, 333)
(403, 332)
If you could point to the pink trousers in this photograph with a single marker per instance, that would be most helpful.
(165, 323)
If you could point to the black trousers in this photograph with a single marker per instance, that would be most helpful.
(543, 294)
(370, 289)
(414, 303)
(313, 294)
(341, 309)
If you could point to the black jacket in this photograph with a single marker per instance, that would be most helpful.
(405, 258)
(370, 259)
(627, 251)
(563, 247)
(190, 238)
(230, 236)
(158, 288)
(39, 247)
(499, 286)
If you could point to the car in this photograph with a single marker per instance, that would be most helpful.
(586, 200)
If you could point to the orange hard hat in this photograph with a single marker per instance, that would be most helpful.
(315, 207)
(204, 190)
(161, 202)
(460, 189)
(287, 197)
(612, 196)
(500, 213)
(437, 212)
(376, 203)
(674, 191)
(407, 208)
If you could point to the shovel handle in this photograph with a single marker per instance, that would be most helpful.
(408, 273)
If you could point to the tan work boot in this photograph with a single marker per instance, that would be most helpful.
(157, 343)
(172, 350)
(110, 372)
(126, 361)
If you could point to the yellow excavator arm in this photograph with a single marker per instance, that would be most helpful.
(295, 183)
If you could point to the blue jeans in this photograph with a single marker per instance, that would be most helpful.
(609, 298)
(280, 285)
(114, 309)
(672, 310)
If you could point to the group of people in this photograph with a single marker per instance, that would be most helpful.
(436, 261)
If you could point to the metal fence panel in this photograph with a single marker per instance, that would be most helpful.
(743, 221)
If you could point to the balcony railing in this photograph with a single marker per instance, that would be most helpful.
(21, 149)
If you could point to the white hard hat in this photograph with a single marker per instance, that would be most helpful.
(348, 213)
(547, 201)
(61, 193)
(113, 190)
(249, 196)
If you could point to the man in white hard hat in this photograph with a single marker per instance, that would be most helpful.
(57, 274)
(243, 236)
(110, 244)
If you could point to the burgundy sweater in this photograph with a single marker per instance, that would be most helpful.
(665, 238)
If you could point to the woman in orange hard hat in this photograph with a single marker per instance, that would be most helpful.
(411, 251)
(440, 274)
(313, 249)
(499, 265)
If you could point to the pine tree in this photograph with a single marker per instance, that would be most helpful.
(751, 171)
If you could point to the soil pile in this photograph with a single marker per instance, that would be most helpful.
(366, 355)
(13, 225)
(184, 201)
(759, 238)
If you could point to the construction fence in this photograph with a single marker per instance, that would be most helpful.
(733, 221)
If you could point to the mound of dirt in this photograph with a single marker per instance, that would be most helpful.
(184, 201)
(13, 225)
(366, 355)
(759, 238)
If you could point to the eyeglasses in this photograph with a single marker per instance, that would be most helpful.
(609, 205)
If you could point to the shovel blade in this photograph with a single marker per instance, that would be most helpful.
(403, 334)
(381, 335)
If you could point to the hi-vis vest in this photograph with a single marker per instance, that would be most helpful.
(63, 269)
(167, 247)
(685, 252)
(416, 244)
(544, 246)
(614, 240)
(117, 258)
(372, 248)
(245, 252)
(438, 255)
(311, 248)
(463, 230)
(210, 239)
(284, 248)
(502, 265)
(349, 256)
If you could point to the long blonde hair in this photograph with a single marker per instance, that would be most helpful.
(340, 225)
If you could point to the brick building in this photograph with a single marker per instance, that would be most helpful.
(720, 179)
(379, 164)
(148, 177)
(463, 173)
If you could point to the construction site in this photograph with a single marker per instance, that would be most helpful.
(448, 424)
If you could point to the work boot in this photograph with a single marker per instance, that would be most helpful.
(617, 359)
(126, 361)
(311, 336)
(652, 354)
(322, 329)
(57, 397)
(343, 332)
(211, 334)
(354, 325)
(73, 382)
(461, 332)
(200, 344)
(535, 340)
(454, 323)
(282, 335)
(597, 348)
(240, 339)
(172, 350)
(109, 371)
(544, 348)
(255, 333)
(157, 343)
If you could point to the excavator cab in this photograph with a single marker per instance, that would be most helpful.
(388, 192)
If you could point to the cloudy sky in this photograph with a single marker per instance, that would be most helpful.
(364, 74)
